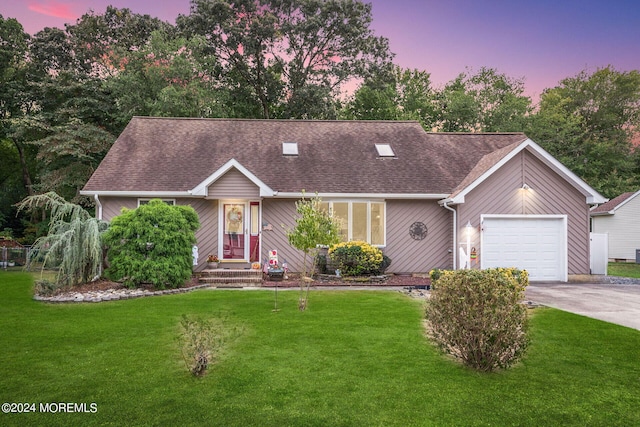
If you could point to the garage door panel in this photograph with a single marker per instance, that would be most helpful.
(532, 244)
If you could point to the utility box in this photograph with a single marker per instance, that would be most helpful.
(637, 256)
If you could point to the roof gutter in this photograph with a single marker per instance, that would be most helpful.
(455, 228)
(126, 193)
(420, 196)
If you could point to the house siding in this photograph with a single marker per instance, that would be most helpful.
(415, 256)
(112, 206)
(549, 194)
(207, 234)
(623, 230)
(407, 255)
(278, 215)
(233, 185)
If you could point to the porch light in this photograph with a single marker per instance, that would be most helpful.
(525, 186)
(468, 227)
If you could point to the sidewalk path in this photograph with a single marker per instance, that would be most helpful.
(618, 304)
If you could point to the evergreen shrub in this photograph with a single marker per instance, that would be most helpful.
(478, 316)
(152, 244)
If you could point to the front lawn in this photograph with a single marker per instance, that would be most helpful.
(353, 358)
(624, 269)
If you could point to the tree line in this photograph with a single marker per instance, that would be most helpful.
(65, 94)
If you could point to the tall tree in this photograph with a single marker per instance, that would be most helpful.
(69, 124)
(102, 41)
(401, 94)
(487, 101)
(294, 55)
(15, 101)
(167, 78)
(17, 159)
(589, 122)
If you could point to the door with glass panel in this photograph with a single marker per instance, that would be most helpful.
(233, 231)
(240, 230)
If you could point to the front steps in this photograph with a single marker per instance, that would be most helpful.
(231, 278)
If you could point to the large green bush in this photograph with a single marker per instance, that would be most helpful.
(478, 316)
(357, 258)
(152, 244)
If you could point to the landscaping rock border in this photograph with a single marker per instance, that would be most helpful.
(113, 294)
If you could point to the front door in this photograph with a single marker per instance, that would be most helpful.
(233, 231)
(240, 231)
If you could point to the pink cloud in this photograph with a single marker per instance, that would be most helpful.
(53, 8)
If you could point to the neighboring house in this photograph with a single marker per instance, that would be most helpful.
(429, 200)
(619, 218)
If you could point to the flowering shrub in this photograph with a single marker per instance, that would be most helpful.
(357, 258)
(477, 315)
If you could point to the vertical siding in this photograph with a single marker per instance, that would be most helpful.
(623, 230)
(415, 256)
(549, 194)
(233, 185)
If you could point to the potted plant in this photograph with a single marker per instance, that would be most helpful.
(212, 261)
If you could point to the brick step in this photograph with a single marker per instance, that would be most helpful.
(227, 276)
(205, 279)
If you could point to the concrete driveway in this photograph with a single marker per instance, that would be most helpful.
(618, 304)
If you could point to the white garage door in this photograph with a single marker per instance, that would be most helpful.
(533, 243)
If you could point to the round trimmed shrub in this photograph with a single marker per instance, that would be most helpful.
(357, 258)
(152, 244)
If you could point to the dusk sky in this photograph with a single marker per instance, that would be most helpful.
(542, 41)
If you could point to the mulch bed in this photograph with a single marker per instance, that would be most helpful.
(105, 285)
(392, 280)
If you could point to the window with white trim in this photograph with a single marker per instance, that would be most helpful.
(170, 202)
(359, 220)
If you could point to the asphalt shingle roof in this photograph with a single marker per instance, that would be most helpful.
(177, 154)
(612, 204)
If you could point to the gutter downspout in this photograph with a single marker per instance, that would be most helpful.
(98, 206)
(99, 217)
(455, 231)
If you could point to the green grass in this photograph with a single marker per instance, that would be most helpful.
(624, 269)
(353, 359)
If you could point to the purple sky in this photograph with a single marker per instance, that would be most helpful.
(542, 41)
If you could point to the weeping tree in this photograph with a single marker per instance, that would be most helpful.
(314, 228)
(73, 243)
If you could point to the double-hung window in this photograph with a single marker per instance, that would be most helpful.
(359, 220)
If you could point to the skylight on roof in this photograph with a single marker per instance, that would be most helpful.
(289, 148)
(385, 150)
